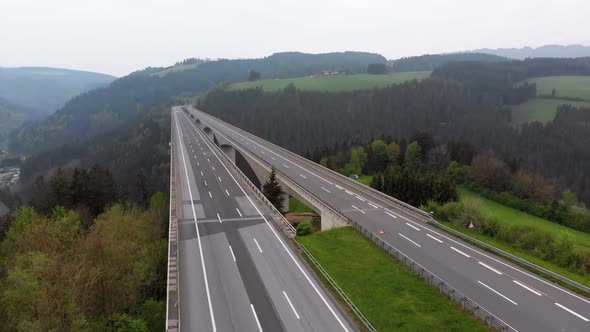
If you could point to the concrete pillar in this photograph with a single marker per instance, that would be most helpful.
(327, 222)
(285, 206)
(229, 151)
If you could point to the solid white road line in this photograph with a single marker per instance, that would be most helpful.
(210, 195)
(259, 249)
(508, 266)
(240, 213)
(405, 237)
(359, 209)
(373, 205)
(435, 239)
(256, 317)
(489, 267)
(315, 288)
(219, 218)
(414, 227)
(495, 291)
(459, 251)
(291, 304)
(303, 176)
(326, 190)
(213, 325)
(232, 254)
(391, 215)
(527, 288)
(572, 312)
(227, 192)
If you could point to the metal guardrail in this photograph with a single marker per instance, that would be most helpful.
(510, 256)
(433, 280)
(290, 231)
(394, 200)
(173, 282)
(428, 218)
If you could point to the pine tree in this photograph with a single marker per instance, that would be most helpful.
(272, 190)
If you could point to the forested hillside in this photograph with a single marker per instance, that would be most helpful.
(44, 90)
(104, 109)
(433, 61)
(11, 117)
(449, 111)
(136, 155)
(496, 80)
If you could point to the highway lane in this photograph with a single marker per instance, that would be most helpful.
(236, 271)
(523, 300)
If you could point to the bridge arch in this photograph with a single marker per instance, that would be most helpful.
(209, 132)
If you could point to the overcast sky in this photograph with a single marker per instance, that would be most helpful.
(120, 36)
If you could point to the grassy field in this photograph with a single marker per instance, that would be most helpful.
(565, 86)
(175, 68)
(509, 216)
(392, 298)
(540, 109)
(296, 205)
(333, 83)
(365, 179)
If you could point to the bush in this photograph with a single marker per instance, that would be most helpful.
(451, 211)
(490, 226)
(471, 213)
(304, 228)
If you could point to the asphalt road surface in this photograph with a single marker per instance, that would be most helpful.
(521, 299)
(237, 272)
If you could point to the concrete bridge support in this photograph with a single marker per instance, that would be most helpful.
(258, 172)
(229, 151)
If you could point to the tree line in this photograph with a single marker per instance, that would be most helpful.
(101, 110)
(494, 81)
(307, 122)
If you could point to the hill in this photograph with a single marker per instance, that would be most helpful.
(12, 116)
(104, 109)
(44, 90)
(335, 83)
(433, 61)
(545, 51)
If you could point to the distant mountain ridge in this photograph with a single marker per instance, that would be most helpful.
(43, 89)
(545, 51)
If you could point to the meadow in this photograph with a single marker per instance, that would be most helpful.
(565, 86)
(540, 109)
(390, 297)
(509, 216)
(333, 83)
